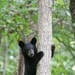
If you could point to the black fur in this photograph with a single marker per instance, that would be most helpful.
(52, 50)
(31, 57)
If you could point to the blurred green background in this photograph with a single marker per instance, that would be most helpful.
(19, 18)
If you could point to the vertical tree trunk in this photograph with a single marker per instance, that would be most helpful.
(6, 53)
(72, 11)
(45, 36)
(20, 70)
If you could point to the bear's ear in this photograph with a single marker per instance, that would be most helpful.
(21, 44)
(33, 41)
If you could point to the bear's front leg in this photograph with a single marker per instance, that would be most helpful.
(39, 56)
(52, 49)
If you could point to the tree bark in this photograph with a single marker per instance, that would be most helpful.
(72, 10)
(45, 36)
(20, 70)
(6, 53)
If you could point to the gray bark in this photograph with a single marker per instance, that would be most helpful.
(45, 36)
(20, 70)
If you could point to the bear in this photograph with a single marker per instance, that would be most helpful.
(52, 50)
(31, 56)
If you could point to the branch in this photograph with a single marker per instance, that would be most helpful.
(66, 46)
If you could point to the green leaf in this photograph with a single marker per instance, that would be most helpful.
(60, 2)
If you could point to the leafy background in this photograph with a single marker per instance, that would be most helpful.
(18, 19)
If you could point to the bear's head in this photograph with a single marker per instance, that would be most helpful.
(28, 49)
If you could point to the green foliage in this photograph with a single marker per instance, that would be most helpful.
(16, 21)
(19, 16)
(63, 61)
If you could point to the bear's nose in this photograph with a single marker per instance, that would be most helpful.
(31, 53)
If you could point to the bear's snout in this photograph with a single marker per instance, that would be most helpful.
(31, 53)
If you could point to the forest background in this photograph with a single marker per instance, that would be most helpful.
(19, 18)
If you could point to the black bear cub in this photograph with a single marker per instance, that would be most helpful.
(31, 56)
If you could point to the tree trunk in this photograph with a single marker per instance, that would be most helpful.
(72, 11)
(45, 36)
(6, 53)
(20, 70)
